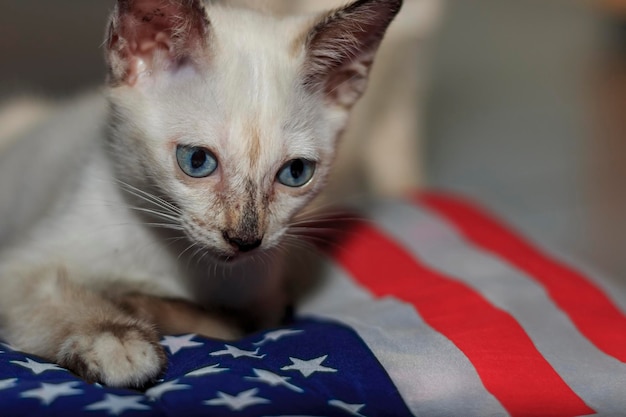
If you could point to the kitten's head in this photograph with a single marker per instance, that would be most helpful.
(233, 116)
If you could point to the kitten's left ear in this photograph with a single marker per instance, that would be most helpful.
(147, 36)
(342, 45)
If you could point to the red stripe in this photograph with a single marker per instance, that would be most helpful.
(591, 311)
(504, 357)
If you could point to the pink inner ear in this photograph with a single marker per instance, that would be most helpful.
(150, 35)
(344, 86)
(342, 45)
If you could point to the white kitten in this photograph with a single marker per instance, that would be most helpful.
(174, 199)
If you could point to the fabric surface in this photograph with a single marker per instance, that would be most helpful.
(430, 308)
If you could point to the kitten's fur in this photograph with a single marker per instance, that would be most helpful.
(129, 233)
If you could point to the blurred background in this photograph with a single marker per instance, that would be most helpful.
(527, 114)
(524, 106)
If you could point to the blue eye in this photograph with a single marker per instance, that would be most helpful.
(296, 173)
(195, 161)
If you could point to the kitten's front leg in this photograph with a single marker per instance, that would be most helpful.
(44, 313)
(173, 316)
(177, 316)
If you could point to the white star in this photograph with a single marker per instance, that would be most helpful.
(238, 353)
(273, 380)
(8, 383)
(209, 370)
(116, 404)
(308, 368)
(37, 367)
(175, 344)
(48, 393)
(354, 409)
(239, 402)
(277, 335)
(155, 393)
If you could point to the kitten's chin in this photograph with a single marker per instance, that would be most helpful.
(227, 259)
(232, 258)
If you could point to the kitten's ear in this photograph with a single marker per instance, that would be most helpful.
(342, 45)
(147, 36)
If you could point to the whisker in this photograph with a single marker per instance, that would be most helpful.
(155, 213)
(193, 256)
(186, 250)
(201, 259)
(335, 224)
(165, 216)
(317, 241)
(158, 204)
(149, 197)
(165, 226)
(300, 245)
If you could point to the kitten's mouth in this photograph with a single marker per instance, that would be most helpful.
(234, 257)
(237, 250)
(227, 259)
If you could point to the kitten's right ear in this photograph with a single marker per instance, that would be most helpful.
(148, 36)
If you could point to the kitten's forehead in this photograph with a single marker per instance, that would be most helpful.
(255, 81)
(255, 61)
(246, 27)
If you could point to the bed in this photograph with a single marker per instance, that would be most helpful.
(432, 307)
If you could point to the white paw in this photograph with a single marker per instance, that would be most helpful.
(114, 354)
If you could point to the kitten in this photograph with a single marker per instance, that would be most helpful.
(221, 127)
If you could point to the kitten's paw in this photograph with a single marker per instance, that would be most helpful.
(115, 354)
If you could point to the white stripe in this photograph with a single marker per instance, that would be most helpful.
(433, 377)
(597, 378)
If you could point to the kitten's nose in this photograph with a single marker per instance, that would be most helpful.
(243, 245)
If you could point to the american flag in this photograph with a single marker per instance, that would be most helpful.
(431, 308)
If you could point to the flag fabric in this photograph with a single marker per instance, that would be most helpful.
(431, 307)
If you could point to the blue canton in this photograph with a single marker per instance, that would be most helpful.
(312, 368)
